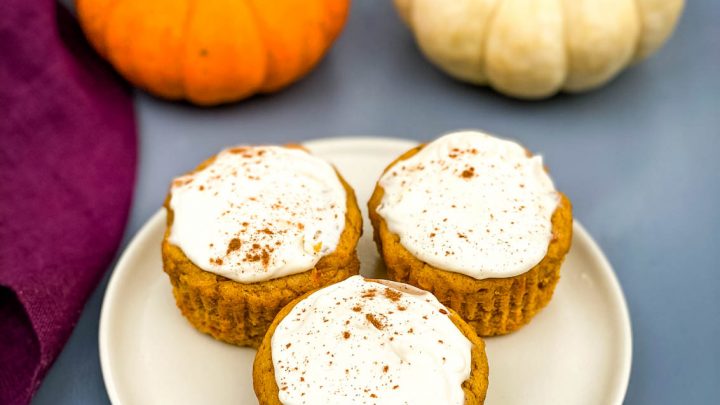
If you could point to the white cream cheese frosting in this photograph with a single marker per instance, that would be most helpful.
(370, 342)
(258, 213)
(473, 204)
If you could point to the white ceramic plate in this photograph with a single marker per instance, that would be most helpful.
(576, 351)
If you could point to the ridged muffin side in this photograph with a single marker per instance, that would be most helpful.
(240, 313)
(493, 306)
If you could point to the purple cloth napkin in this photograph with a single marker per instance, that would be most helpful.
(67, 166)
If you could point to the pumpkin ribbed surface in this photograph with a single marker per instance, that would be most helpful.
(212, 51)
(535, 48)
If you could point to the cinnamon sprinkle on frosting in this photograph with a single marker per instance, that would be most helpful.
(470, 182)
(258, 213)
(350, 348)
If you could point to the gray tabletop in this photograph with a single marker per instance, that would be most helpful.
(638, 158)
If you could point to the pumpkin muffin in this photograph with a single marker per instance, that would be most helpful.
(475, 220)
(370, 341)
(251, 229)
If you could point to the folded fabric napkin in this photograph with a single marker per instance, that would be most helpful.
(67, 166)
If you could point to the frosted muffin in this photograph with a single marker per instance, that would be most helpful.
(475, 220)
(251, 229)
(365, 341)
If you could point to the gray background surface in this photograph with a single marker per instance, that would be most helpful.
(638, 158)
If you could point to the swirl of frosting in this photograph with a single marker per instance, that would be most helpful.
(370, 342)
(472, 204)
(258, 213)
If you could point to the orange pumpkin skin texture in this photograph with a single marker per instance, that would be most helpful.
(212, 51)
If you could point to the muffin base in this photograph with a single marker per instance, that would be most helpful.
(493, 306)
(267, 391)
(240, 313)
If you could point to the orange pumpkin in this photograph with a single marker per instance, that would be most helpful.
(212, 51)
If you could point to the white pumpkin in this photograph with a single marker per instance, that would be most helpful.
(535, 48)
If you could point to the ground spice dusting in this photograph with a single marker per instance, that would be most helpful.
(392, 295)
(442, 311)
(262, 256)
(265, 258)
(369, 293)
(468, 173)
(233, 245)
(379, 320)
(374, 321)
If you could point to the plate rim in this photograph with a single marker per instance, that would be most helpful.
(622, 377)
